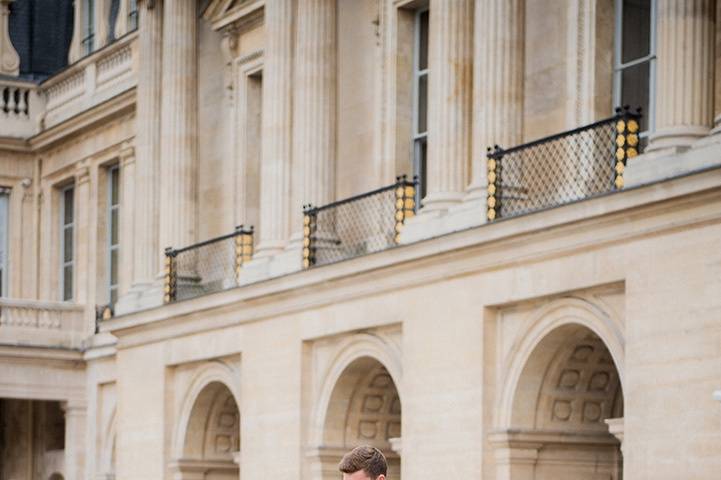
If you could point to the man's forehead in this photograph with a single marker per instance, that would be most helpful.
(359, 475)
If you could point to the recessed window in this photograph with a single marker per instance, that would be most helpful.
(113, 232)
(4, 225)
(635, 59)
(67, 241)
(420, 103)
(88, 25)
(132, 15)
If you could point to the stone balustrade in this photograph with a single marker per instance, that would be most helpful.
(41, 323)
(93, 80)
(20, 107)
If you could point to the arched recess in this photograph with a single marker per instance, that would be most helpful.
(562, 386)
(359, 404)
(106, 464)
(207, 439)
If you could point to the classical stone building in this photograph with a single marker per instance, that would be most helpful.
(546, 309)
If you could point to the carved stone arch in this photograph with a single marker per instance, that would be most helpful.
(350, 350)
(561, 312)
(358, 402)
(214, 372)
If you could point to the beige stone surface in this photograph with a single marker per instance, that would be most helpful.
(579, 342)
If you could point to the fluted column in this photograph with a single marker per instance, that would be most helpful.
(276, 128)
(684, 102)
(497, 83)
(179, 125)
(75, 415)
(146, 250)
(314, 110)
(449, 102)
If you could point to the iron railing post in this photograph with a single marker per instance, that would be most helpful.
(405, 205)
(243, 248)
(493, 198)
(626, 142)
(170, 276)
(310, 215)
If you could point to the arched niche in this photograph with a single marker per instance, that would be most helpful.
(364, 408)
(568, 387)
(210, 441)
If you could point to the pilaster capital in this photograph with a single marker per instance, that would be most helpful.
(73, 408)
(126, 154)
(82, 172)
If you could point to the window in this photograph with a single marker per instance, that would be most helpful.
(67, 231)
(133, 15)
(420, 102)
(635, 59)
(88, 14)
(113, 232)
(4, 224)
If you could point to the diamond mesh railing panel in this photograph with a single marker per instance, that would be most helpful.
(359, 225)
(207, 267)
(561, 169)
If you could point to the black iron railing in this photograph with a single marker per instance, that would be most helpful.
(363, 224)
(562, 168)
(207, 267)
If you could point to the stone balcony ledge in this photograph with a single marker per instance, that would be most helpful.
(41, 323)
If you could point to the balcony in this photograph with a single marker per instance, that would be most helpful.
(20, 108)
(359, 225)
(91, 81)
(563, 168)
(41, 324)
(207, 267)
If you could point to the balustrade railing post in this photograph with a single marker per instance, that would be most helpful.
(493, 199)
(310, 216)
(243, 248)
(626, 142)
(170, 275)
(405, 205)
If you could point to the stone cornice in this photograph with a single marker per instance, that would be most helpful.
(636, 213)
(112, 108)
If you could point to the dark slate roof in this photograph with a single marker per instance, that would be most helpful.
(41, 31)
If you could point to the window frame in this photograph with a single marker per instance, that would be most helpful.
(88, 14)
(419, 139)
(651, 58)
(4, 240)
(112, 247)
(63, 227)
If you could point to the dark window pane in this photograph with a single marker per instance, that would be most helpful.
(634, 89)
(112, 18)
(423, 41)
(68, 282)
(67, 245)
(114, 227)
(421, 152)
(423, 104)
(636, 40)
(114, 186)
(68, 213)
(114, 267)
(113, 296)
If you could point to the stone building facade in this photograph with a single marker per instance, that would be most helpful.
(547, 310)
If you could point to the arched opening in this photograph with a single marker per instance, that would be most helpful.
(568, 388)
(212, 437)
(364, 409)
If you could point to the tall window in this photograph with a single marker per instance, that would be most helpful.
(88, 19)
(132, 15)
(67, 232)
(420, 102)
(4, 224)
(113, 232)
(634, 79)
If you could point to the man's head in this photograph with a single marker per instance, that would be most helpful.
(363, 463)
